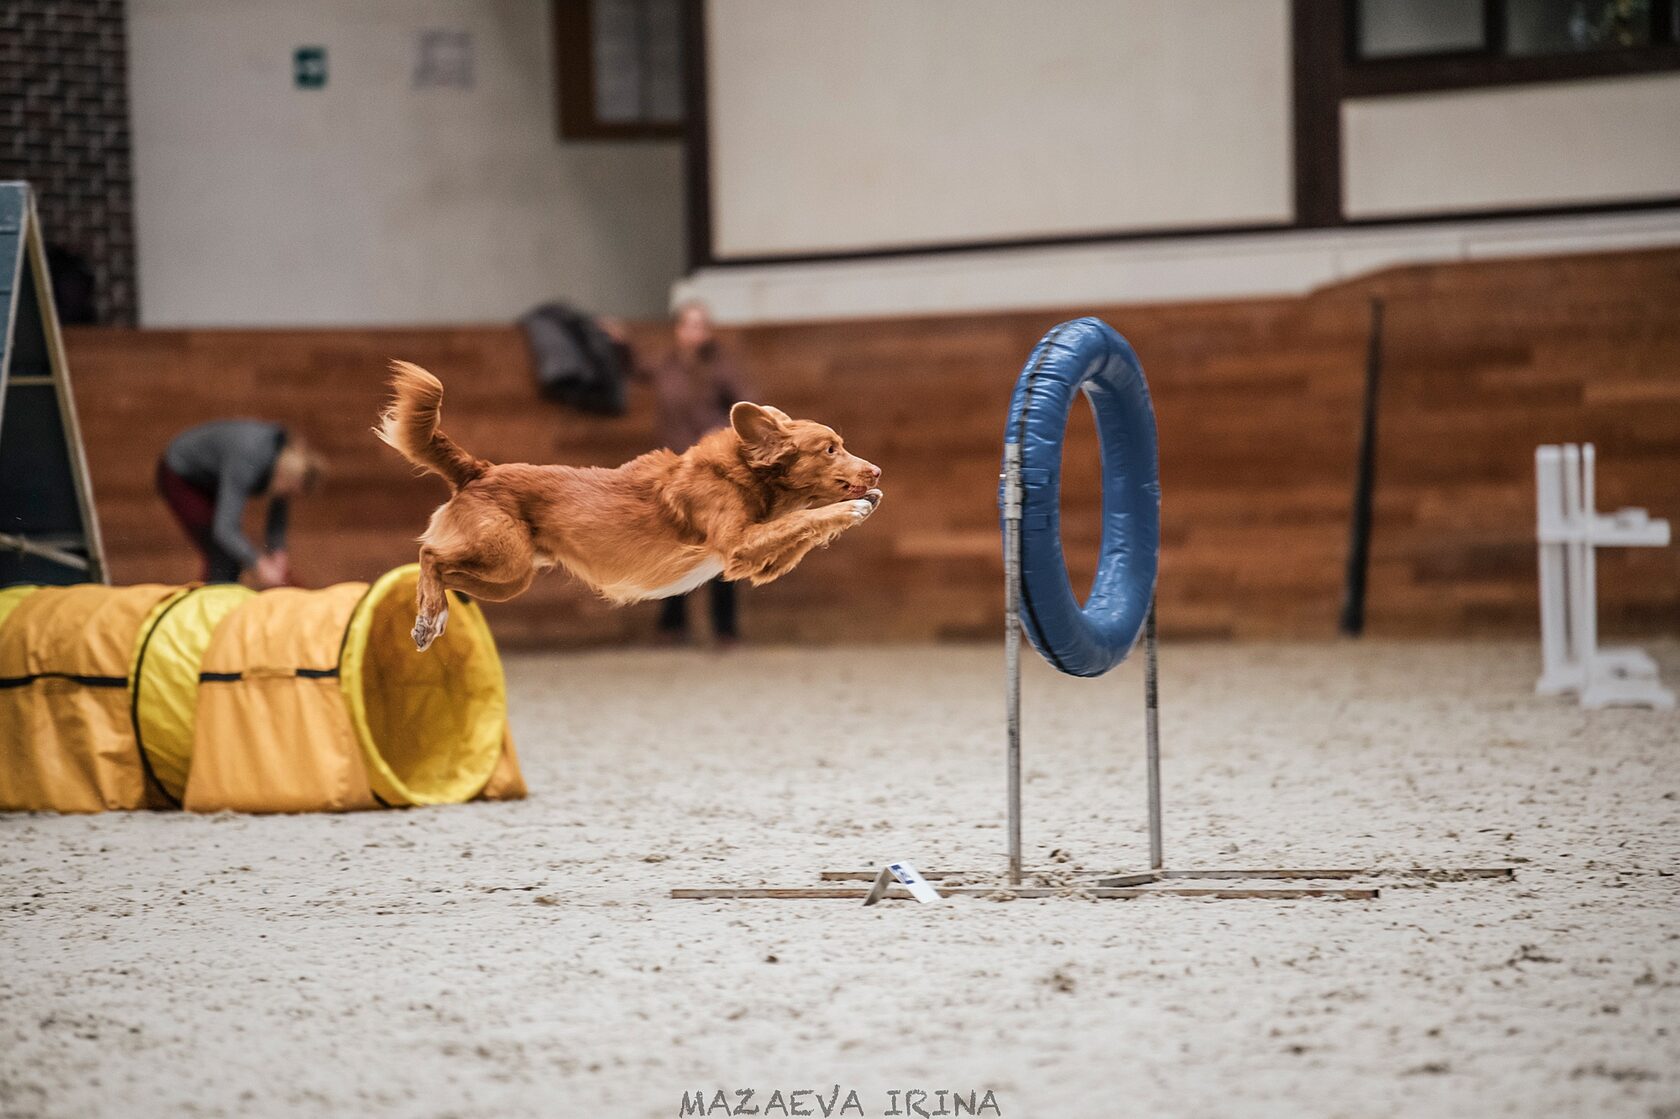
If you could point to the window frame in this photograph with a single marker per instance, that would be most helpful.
(574, 86)
(1491, 66)
(1328, 73)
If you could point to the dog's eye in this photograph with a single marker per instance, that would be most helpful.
(831, 448)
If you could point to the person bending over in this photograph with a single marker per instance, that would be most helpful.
(209, 473)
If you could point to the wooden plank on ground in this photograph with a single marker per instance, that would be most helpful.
(1434, 874)
(851, 893)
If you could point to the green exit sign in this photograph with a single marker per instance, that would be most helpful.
(309, 67)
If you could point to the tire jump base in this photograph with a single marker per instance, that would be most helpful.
(1087, 356)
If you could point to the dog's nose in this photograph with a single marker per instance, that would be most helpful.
(873, 474)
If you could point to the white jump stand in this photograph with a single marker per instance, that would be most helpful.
(1569, 529)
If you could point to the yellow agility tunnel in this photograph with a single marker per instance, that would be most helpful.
(217, 698)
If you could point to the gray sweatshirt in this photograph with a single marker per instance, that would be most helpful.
(233, 459)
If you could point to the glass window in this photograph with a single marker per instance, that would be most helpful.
(637, 61)
(1566, 26)
(1395, 28)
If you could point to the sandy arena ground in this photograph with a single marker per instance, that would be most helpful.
(524, 959)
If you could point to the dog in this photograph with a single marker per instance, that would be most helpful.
(747, 502)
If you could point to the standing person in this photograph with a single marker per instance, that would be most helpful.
(696, 384)
(208, 474)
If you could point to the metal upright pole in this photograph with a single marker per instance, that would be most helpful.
(1587, 635)
(1576, 553)
(1152, 733)
(1012, 644)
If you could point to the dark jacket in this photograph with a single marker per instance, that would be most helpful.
(576, 363)
(234, 461)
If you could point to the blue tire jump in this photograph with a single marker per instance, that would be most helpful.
(1087, 355)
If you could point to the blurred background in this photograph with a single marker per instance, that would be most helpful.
(253, 205)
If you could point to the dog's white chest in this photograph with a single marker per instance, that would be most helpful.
(703, 572)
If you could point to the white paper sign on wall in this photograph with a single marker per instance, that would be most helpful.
(444, 59)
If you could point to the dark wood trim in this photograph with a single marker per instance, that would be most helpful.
(574, 66)
(574, 84)
(1665, 21)
(697, 156)
(1495, 20)
(1572, 210)
(1320, 36)
(1126, 236)
(942, 248)
(1489, 65)
(1382, 77)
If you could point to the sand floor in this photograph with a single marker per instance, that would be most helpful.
(524, 959)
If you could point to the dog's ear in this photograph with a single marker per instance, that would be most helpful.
(761, 432)
(755, 423)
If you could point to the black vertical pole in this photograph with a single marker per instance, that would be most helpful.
(1359, 537)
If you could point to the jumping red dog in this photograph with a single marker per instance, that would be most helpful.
(746, 502)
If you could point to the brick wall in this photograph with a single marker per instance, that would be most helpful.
(64, 128)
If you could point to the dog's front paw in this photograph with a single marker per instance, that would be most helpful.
(873, 496)
(860, 508)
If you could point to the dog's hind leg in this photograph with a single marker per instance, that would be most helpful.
(493, 560)
(430, 601)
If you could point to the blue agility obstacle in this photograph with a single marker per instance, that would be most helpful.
(1086, 355)
(1083, 355)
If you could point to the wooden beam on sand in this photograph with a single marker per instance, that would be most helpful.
(938, 875)
(1433, 874)
(853, 893)
(1141, 878)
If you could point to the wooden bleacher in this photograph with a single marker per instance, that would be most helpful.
(1258, 404)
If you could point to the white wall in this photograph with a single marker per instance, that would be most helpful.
(878, 123)
(1606, 140)
(371, 201)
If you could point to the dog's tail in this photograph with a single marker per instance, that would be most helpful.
(410, 424)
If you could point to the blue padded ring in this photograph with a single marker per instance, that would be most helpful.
(1087, 355)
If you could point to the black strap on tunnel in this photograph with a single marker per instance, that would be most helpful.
(101, 682)
(73, 677)
(298, 673)
(134, 701)
(344, 643)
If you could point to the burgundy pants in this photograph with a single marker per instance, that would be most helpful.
(195, 511)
